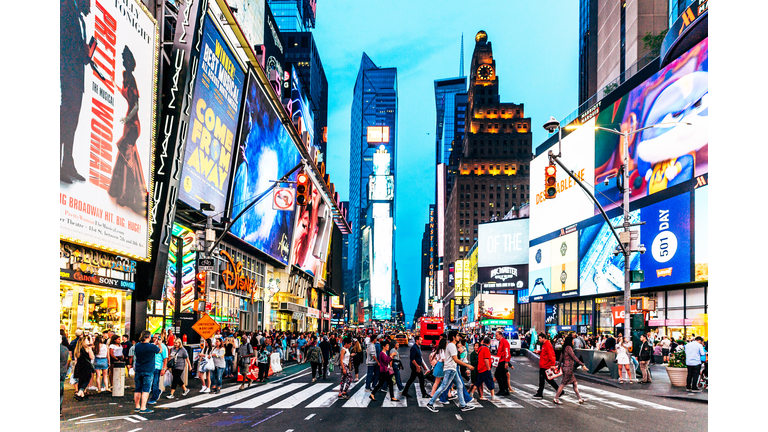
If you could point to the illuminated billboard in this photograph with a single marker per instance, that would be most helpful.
(381, 163)
(503, 277)
(701, 236)
(571, 204)
(188, 257)
(377, 135)
(301, 112)
(266, 152)
(660, 157)
(250, 15)
(553, 268)
(496, 306)
(503, 243)
(381, 279)
(381, 188)
(108, 98)
(381, 210)
(462, 281)
(666, 236)
(306, 233)
(215, 112)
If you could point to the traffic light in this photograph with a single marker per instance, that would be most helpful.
(302, 189)
(200, 284)
(550, 181)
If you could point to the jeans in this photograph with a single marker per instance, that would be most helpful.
(155, 395)
(692, 380)
(644, 370)
(444, 396)
(142, 382)
(315, 368)
(450, 377)
(216, 377)
(372, 376)
(230, 369)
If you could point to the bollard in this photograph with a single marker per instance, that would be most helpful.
(118, 379)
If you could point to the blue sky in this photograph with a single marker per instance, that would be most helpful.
(535, 45)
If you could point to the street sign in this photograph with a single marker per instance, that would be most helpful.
(283, 198)
(205, 264)
(206, 327)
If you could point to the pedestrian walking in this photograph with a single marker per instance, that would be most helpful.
(418, 368)
(229, 357)
(325, 349)
(203, 358)
(695, 355)
(622, 358)
(144, 361)
(64, 361)
(437, 361)
(568, 360)
(665, 348)
(451, 360)
(101, 363)
(473, 360)
(357, 357)
(178, 360)
(546, 361)
(386, 373)
(372, 363)
(345, 367)
(217, 354)
(504, 358)
(397, 366)
(315, 359)
(644, 357)
(160, 368)
(484, 370)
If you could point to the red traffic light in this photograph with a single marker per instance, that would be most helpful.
(302, 189)
(550, 181)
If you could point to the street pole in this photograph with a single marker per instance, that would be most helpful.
(627, 249)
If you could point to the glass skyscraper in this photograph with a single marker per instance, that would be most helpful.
(374, 105)
(294, 15)
(445, 122)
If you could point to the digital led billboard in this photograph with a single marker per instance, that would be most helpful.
(250, 16)
(266, 152)
(666, 236)
(381, 188)
(571, 204)
(701, 234)
(660, 157)
(381, 279)
(301, 112)
(503, 243)
(496, 306)
(108, 84)
(306, 233)
(381, 162)
(215, 112)
(187, 255)
(554, 268)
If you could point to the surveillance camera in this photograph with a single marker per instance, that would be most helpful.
(641, 249)
(551, 125)
(606, 181)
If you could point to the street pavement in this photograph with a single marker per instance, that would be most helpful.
(290, 402)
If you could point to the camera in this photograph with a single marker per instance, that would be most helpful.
(551, 125)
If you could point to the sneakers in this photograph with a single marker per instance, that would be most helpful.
(185, 392)
(205, 390)
(431, 407)
(467, 407)
(538, 396)
(146, 411)
(152, 402)
(557, 401)
(453, 397)
(170, 396)
(137, 410)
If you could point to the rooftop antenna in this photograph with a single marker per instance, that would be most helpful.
(461, 64)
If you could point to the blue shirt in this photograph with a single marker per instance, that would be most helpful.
(301, 342)
(693, 353)
(159, 357)
(144, 356)
(416, 355)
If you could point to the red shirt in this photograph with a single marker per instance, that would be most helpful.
(484, 353)
(504, 354)
(547, 356)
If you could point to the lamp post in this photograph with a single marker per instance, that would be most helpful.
(625, 239)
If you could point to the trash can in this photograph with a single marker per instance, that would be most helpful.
(118, 379)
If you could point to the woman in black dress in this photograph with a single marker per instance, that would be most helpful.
(127, 184)
(567, 361)
(83, 366)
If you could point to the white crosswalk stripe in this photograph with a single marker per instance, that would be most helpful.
(593, 399)
(199, 398)
(503, 402)
(244, 394)
(528, 398)
(325, 400)
(358, 400)
(550, 394)
(267, 397)
(389, 403)
(474, 403)
(612, 395)
(301, 396)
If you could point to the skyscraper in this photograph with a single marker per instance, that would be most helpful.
(372, 192)
(294, 15)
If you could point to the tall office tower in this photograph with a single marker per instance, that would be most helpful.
(421, 306)
(373, 169)
(301, 52)
(587, 49)
(445, 110)
(459, 126)
(493, 165)
(294, 15)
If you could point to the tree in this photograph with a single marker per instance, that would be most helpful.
(653, 43)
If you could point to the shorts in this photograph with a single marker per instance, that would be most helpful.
(665, 352)
(143, 382)
(485, 377)
(100, 363)
(243, 368)
(438, 371)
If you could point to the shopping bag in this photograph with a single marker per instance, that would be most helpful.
(553, 372)
(168, 379)
(131, 372)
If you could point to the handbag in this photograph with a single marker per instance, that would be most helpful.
(171, 363)
(553, 372)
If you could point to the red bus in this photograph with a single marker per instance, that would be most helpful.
(431, 328)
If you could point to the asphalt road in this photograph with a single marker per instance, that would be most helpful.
(291, 403)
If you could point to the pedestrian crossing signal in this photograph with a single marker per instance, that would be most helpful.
(550, 181)
(302, 189)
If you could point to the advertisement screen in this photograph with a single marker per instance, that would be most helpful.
(188, 255)
(503, 243)
(497, 306)
(554, 267)
(381, 280)
(213, 122)
(666, 236)
(503, 277)
(266, 152)
(301, 112)
(571, 205)
(381, 163)
(250, 15)
(107, 78)
(660, 157)
(381, 188)
(523, 296)
(305, 233)
(701, 235)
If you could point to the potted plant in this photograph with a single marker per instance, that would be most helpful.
(676, 368)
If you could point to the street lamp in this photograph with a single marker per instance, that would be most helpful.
(625, 242)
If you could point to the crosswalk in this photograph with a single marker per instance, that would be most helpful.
(288, 393)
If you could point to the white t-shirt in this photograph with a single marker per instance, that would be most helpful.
(117, 350)
(103, 351)
(345, 356)
(450, 350)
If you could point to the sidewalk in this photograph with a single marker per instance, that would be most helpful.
(660, 386)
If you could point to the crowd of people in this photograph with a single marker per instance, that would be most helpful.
(457, 366)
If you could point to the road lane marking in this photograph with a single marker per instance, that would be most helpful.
(309, 416)
(199, 398)
(611, 418)
(628, 399)
(175, 417)
(458, 417)
(528, 397)
(301, 396)
(474, 403)
(81, 417)
(267, 397)
(568, 398)
(138, 417)
(358, 400)
(134, 430)
(262, 421)
(594, 398)
(389, 403)
(238, 396)
(325, 400)
(502, 402)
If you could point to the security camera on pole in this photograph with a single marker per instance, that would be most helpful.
(628, 239)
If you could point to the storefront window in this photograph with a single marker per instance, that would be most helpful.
(93, 308)
(694, 297)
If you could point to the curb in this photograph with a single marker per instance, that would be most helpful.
(681, 397)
